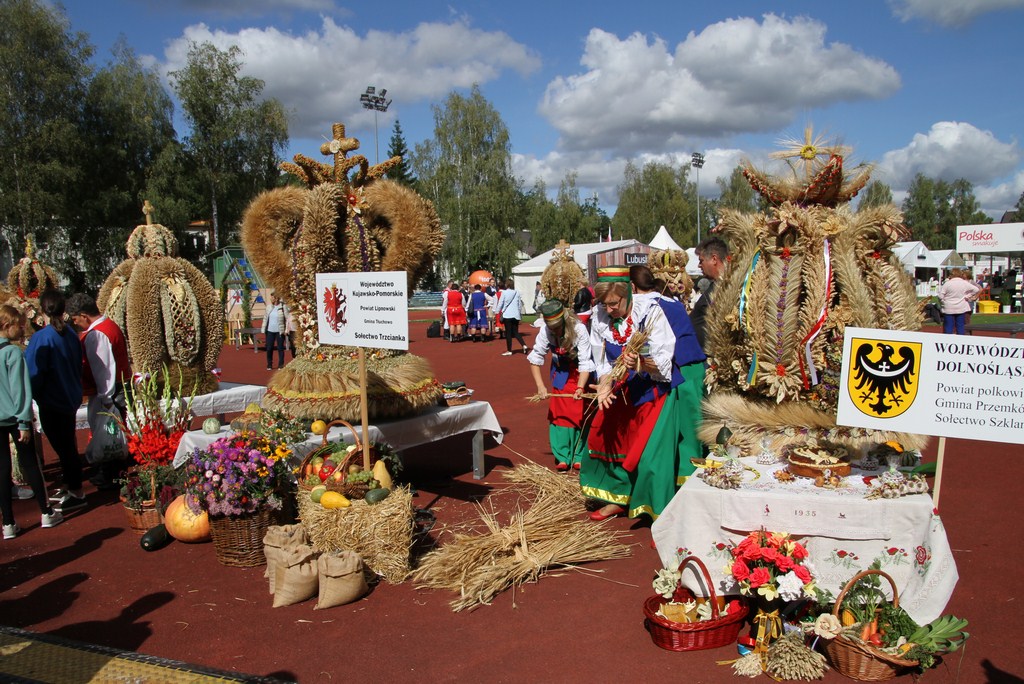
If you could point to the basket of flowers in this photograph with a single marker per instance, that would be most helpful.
(871, 639)
(679, 621)
(237, 481)
(339, 467)
(155, 419)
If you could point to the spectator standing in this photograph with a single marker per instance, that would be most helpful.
(54, 359)
(955, 295)
(456, 311)
(510, 308)
(478, 316)
(712, 256)
(499, 325)
(568, 342)
(106, 370)
(275, 327)
(16, 424)
(538, 297)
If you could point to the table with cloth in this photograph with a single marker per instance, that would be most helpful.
(436, 423)
(843, 532)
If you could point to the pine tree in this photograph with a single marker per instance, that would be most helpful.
(401, 173)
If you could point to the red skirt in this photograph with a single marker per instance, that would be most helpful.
(456, 316)
(565, 411)
(620, 432)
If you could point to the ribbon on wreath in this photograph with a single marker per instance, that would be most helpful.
(807, 361)
(769, 628)
(744, 296)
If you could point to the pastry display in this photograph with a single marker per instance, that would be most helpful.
(813, 460)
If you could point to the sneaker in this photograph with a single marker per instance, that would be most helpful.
(68, 502)
(22, 492)
(269, 368)
(11, 531)
(52, 519)
(506, 353)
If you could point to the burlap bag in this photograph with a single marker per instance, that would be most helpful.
(342, 579)
(295, 575)
(280, 537)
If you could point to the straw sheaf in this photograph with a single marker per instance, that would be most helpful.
(268, 228)
(152, 240)
(815, 286)
(670, 265)
(561, 280)
(112, 299)
(31, 275)
(550, 533)
(850, 280)
(738, 230)
(382, 533)
(786, 424)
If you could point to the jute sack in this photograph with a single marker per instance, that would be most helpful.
(280, 537)
(295, 575)
(342, 579)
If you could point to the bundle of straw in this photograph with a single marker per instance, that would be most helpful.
(550, 533)
(633, 346)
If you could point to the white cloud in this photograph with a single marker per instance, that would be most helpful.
(1000, 197)
(952, 13)
(319, 75)
(734, 76)
(948, 151)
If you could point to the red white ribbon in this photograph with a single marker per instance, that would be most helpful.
(809, 339)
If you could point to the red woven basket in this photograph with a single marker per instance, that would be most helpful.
(720, 630)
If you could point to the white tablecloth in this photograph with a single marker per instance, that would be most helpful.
(432, 425)
(232, 397)
(844, 533)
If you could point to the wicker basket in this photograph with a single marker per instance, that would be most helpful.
(354, 490)
(459, 397)
(720, 630)
(238, 539)
(142, 520)
(858, 660)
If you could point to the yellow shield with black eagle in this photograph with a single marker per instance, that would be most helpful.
(883, 377)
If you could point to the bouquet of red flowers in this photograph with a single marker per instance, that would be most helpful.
(772, 565)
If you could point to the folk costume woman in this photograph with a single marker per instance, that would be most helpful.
(618, 472)
(456, 311)
(676, 429)
(571, 365)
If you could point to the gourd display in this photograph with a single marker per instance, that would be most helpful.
(184, 525)
(211, 426)
(348, 218)
(169, 312)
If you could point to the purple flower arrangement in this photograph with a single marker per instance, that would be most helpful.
(236, 475)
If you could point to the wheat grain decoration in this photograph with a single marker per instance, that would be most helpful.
(799, 274)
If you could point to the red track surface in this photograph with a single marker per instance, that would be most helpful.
(88, 579)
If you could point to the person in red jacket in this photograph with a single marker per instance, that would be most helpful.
(106, 369)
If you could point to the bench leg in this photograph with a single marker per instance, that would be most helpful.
(478, 455)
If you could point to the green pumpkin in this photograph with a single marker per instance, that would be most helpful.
(375, 496)
(211, 426)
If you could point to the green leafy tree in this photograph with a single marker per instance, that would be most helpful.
(43, 75)
(235, 139)
(1018, 214)
(540, 217)
(402, 173)
(934, 208)
(876, 194)
(736, 193)
(466, 171)
(656, 195)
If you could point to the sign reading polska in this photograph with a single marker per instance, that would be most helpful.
(932, 384)
(990, 237)
(363, 309)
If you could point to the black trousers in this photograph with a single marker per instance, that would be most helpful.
(29, 464)
(512, 330)
(59, 428)
(275, 339)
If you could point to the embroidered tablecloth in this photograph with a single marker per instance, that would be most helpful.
(844, 533)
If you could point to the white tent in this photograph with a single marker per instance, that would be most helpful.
(527, 274)
(664, 241)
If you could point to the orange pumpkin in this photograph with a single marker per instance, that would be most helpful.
(184, 525)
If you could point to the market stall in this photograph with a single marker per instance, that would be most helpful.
(843, 531)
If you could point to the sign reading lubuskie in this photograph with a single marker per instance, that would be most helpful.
(933, 384)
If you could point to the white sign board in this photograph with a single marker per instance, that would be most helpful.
(990, 238)
(363, 309)
(933, 384)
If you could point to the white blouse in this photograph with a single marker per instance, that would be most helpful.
(545, 342)
(647, 314)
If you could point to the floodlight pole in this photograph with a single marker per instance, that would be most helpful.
(697, 161)
(378, 102)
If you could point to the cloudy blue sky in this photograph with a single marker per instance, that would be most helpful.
(914, 86)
